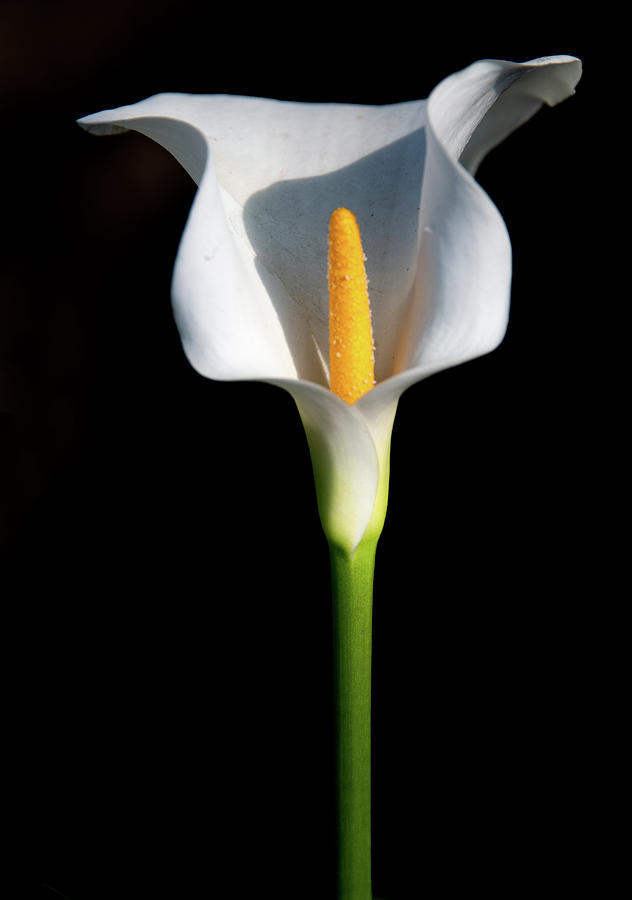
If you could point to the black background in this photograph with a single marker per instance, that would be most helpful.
(167, 620)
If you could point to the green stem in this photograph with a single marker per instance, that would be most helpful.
(352, 581)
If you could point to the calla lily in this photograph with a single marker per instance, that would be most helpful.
(250, 281)
(250, 296)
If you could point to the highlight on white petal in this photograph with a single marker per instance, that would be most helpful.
(229, 325)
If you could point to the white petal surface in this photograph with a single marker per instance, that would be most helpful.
(460, 303)
(279, 170)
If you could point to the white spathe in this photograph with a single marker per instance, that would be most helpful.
(250, 280)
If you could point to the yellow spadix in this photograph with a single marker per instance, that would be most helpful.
(351, 349)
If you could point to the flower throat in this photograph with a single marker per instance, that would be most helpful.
(351, 348)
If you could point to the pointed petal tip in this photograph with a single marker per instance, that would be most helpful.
(101, 128)
(104, 122)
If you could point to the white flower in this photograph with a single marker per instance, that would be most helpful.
(250, 281)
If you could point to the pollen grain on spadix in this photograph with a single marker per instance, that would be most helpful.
(351, 349)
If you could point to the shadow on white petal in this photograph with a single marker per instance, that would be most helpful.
(287, 225)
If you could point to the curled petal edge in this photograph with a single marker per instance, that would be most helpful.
(459, 305)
